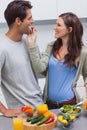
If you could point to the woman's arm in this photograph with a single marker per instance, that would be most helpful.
(86, 90)
(39, 61)
(84, 70)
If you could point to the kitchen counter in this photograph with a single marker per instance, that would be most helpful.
(79, 124)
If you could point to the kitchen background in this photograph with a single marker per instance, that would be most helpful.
(44, 24)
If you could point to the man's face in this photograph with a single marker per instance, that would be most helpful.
(26, 23)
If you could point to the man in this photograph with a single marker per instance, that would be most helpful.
(18, 81)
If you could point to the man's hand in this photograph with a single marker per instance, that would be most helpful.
(9, 112)
(32, 37)
(12, 112)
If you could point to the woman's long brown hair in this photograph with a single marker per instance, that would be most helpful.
(75, 38)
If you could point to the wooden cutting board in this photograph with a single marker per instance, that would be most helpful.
(50, 126)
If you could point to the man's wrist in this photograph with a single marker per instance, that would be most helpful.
(3, 109)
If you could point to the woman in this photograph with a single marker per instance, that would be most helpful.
(64, 59)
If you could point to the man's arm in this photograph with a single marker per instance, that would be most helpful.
(9, 112)
(5, 111)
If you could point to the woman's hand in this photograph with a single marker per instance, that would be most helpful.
(32, 37)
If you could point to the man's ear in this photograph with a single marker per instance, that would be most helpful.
(18, 21)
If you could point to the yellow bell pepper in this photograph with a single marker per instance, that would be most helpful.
(42, 108)
(48, 113)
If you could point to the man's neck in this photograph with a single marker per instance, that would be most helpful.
(14, 36)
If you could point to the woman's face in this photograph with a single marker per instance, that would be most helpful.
(61, 31)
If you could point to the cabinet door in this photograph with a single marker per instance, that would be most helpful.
(78, 7)
(44, 9)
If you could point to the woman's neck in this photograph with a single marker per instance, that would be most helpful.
(60, 55)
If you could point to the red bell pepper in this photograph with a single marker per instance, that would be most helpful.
(27, 109)
(23, 109)
(50, 120)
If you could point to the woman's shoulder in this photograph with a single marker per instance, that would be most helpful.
(84, 50)
(51, 43)
(49, 47)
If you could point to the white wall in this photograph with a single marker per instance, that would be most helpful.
(46, 34)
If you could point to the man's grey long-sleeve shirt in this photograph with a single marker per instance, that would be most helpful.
(17, 79)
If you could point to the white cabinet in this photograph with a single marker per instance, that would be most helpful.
(44, 9)
(50, 9)
(78, 7)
